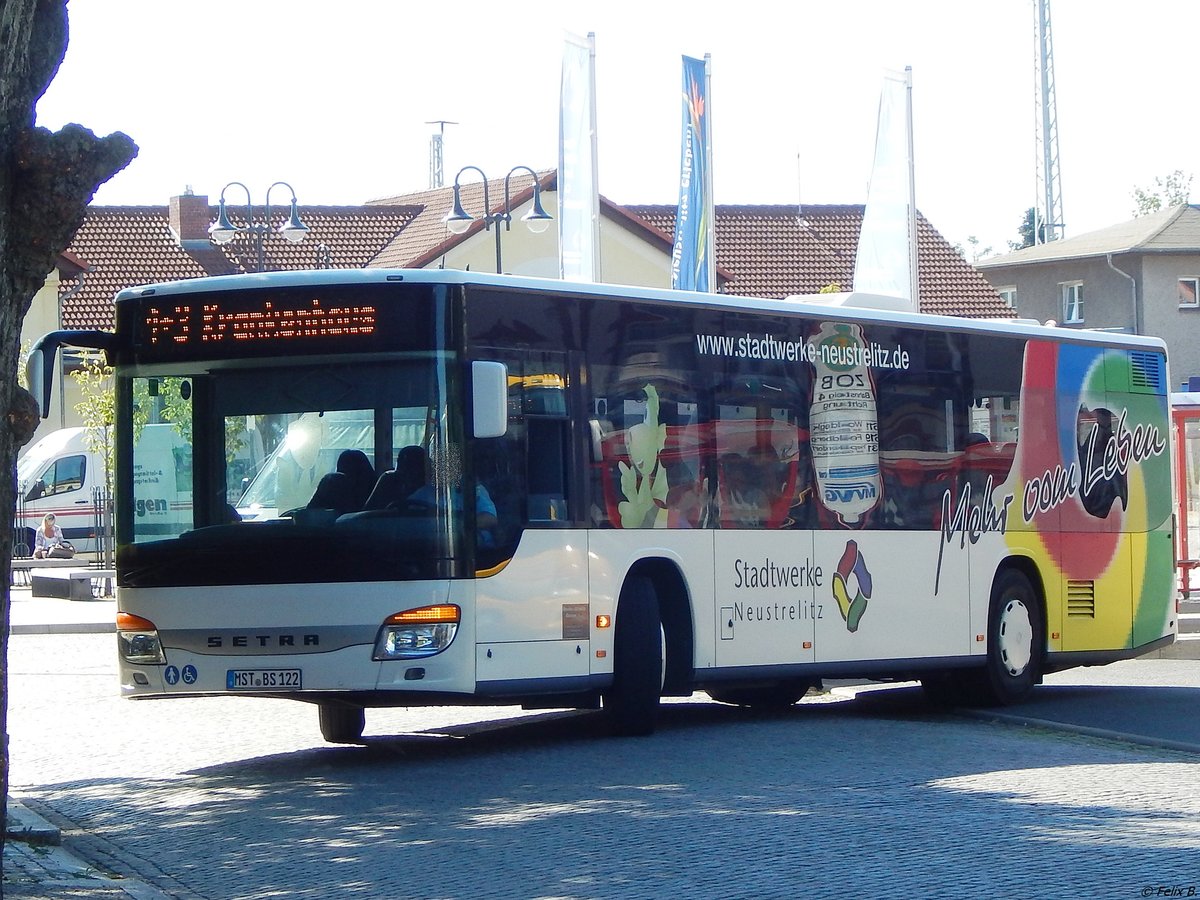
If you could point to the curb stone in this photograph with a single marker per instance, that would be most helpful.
(37, 866)
(27, 827)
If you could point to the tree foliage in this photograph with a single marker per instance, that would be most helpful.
(1027, 232)
(47, 180)
(1169, 190)
(977, 251)
(97, 409)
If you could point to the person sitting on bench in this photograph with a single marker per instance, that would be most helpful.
(49, 542)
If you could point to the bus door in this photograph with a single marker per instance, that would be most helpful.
(1185, 421)
(532, 612)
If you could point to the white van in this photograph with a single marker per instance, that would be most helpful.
(60, 475)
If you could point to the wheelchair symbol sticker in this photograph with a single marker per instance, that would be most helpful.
(189, 674)
(171, 674)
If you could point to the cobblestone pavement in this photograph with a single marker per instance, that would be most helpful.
(240, 798)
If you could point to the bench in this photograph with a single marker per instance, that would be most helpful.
(21, 567)
(71, 584)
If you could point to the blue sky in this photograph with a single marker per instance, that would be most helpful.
(333, 98)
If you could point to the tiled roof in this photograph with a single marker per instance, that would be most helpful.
(124, 246)
(426, 237)
(770, 251)
(1172, 229)
(762, 251)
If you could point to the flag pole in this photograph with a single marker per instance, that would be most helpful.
(912, 195)
(710, 203)
(595, 195)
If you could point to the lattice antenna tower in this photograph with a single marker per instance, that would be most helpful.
(436, 175)
(1048, 216)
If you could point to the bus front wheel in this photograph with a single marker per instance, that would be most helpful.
(341, 724)
(631, 704)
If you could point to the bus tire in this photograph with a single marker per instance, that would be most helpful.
(341, 723)
(631, 704)
(772, 696)
(1016, 640)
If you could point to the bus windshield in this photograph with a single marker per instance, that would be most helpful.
(284, 482)
(360, 479)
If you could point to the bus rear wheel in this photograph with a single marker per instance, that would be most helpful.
(631, 704)
(1016, 641)
(1016, 638)
(341, 723)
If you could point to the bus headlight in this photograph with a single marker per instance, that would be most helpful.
(137, 640)
(416, 633)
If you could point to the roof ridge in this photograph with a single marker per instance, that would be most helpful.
(1178, 210)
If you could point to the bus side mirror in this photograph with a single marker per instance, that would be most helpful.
(39, 373)
(489, 398)
(39, 368)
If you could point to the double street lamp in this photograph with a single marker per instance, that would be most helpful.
(223, 231)
(537, 220)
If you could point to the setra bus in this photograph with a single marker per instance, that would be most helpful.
(594, 496)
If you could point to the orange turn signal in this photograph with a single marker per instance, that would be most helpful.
(603, 621)
(426, 615)
(130, 622)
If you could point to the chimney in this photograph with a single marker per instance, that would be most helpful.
(189, 220)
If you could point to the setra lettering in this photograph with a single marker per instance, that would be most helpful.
(218, 641)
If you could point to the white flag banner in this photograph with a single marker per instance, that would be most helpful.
(886, 258)
(578, 184)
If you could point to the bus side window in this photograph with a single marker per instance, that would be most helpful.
(525, 471)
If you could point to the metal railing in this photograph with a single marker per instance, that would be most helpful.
(102, 527)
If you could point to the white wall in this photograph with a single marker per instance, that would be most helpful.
(41, 319)
(625, 258)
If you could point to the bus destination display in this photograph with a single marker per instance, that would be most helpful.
(211, 321)
(253, 324)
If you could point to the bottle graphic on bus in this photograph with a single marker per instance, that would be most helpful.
(843, 425)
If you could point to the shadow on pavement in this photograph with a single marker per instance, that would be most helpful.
(1149, 715)
(544, 805)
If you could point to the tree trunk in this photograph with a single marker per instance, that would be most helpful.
(46, 182)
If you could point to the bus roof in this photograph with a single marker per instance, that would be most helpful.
(845, 306)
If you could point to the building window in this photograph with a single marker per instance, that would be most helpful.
(1072, 296)
(1189, 292)
(1008, 294)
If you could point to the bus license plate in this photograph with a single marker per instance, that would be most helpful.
(262, 679)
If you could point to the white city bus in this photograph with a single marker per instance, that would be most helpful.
(667, 493)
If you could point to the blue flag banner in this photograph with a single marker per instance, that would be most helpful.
(691, 261)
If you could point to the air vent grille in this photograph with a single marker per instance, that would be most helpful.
(1147, 371)
(1081, 599)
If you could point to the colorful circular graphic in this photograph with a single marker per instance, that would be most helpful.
(852, 574)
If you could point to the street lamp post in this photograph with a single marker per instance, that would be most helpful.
(223, 231)
(537, 220)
